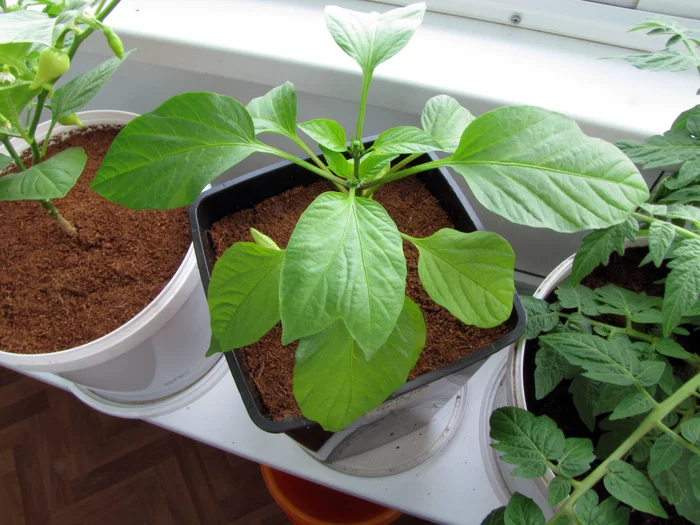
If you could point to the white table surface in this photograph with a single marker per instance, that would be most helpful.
(451, 488)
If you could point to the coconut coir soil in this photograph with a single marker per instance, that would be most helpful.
(57, 292)
(417, 213)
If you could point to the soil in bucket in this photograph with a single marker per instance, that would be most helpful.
(416, 212)
(307, 503)
(58, 292)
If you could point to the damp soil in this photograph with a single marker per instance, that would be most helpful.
(559, 405)
(416, 212)
(58, 292)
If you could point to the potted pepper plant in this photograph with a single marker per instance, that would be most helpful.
(78, 296)
(337, 279)
(612, 355)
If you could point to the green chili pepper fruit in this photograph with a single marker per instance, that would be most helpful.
(114, 42)
(52, 64)
(70, 120)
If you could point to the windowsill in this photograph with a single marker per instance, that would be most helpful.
(497, 65)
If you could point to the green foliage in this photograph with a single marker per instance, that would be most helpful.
(540, 318)
(445, 121)
(327, 133)
(274, 112)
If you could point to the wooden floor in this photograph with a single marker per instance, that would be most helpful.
(62, 463)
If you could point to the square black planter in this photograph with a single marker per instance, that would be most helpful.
(429, 390)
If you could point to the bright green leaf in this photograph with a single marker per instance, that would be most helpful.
(526, 441)
(5, 161)
(664, 454)
(13, 99)
(371, 38)
(682, 290)
(163, 159)
(537, 168)
(276, 111)
(597, 246)
(664, 60)
(577, 457)
(539, 317)
(344, 260)
(334, 383)
(15, 55)
(263, 240)
(51, 179)
(557, 491)
(445, 120)
(328, 133)
(244, 294)
(630, 486)
(661, 235)
(469, 274)
(405, 139)
(374, 164)
(633, 404)
(72, 96)
(214, 347)
(660, 151)
(337, 163)
(523, 511)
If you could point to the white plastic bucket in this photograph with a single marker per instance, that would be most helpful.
(157, 353)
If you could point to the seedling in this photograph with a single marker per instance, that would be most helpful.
(339, 285)
(36, 49)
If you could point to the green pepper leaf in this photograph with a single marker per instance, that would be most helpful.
(523, 511)
(328, 133)
(405, 139)
(15, 55)
(243, 294)
(557, 491)
(163, 159)
(445, 120)
(13, 99)
(51, 179)
(263, 240)
(26, 27)
(682, 289)
(597, 246)
(374, 164)
(5, 161)
(334, 383)
(630, 486)
(371, 38)
(526, 441)
(74, 95)
(537, 168)
(344, 260)
(337, 163)
(276, 111)
(469, 274)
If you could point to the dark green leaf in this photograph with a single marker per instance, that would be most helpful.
(667, 150)
(694, 470)
(374, 165)
(610, 397)
(334, 383)
(445, 120)
(586, 393)
(577, 323)
(557, 492)
(539, 317)
(537, 168)
(526, 441)
(682, 289)
(665, 60)
(640, 451)
(72, 96)
(550, 369)
(344, 260)
(27, 26)
(469, 274)
(597, 246)
(371, 38)
(523, 511)
(5, 161)
(337, 163)
(51, 179)
(670, 348)
(689, 173)
(681, 122)
(495, 517)
(635, 306)
(588, 512)
(630, 486)
(690, 429)
(214, 347)
(650, 372)
(631, 405)
(13, 100)
(328, 133)
(687, 195)
(579, 297)
(276, 111)
(163, 159)
(664, 454)
(405, 139)
(672, 482)
(683, 212)
(577, 457)
(661, 236)
(244, 294)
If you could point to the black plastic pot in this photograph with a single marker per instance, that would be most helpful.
(248, 190)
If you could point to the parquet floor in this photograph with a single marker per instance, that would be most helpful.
(62, 463)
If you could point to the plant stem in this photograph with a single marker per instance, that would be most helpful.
(405, 173)
(678, 439)
(679, 230)
(405, 161)
(366, 79)
(47, 139)
(8, 146)
(62, 222)
(629, 331)
(315, 158)
(338, 181)
(651, 421)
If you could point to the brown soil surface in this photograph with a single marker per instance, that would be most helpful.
(417, 213)
(58, 293)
